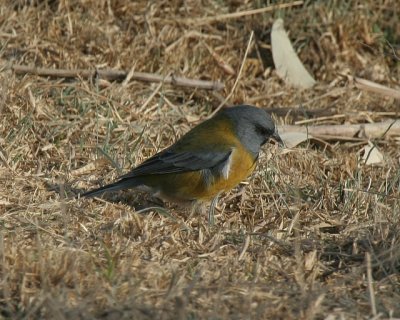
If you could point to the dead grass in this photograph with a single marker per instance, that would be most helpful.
(291, 244)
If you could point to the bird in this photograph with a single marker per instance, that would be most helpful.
(212, 158)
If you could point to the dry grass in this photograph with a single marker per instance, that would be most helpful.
(292, 244)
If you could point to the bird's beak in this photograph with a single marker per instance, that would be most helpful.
(278, 139)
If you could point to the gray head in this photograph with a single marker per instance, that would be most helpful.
(253, 126)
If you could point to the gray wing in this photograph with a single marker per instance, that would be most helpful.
(168, 161)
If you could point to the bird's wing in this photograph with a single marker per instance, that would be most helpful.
(169, 161)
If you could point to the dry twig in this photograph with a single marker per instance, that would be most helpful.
(367, 85)
(237, 78)
(119, 75)
(240, 14)
(370, 130)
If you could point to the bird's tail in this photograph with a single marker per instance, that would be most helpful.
(119, 185)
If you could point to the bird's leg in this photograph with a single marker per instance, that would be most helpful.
(212, 210)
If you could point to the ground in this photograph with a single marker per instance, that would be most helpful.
(313, 233)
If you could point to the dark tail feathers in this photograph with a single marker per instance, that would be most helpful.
(119, 185)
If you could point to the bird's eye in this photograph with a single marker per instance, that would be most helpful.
(263, 131)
